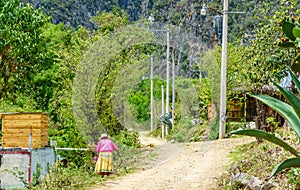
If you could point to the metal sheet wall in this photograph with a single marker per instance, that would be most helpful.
(25, 163)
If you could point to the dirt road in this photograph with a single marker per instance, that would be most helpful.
(193, 166)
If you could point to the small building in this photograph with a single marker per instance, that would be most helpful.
(28, 164)
(236, 110)
(25, 149)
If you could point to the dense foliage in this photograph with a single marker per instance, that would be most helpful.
(280, 59)
(22, 46)
(139, 98)
(44, 66)
(290, 110)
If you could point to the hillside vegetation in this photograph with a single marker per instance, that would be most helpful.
(87, 65)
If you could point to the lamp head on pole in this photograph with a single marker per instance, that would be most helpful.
(203, 10)
(151, 19)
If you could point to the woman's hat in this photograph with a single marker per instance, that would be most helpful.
(104, 135)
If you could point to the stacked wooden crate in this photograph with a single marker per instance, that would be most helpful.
(235, 111)
(17, 127)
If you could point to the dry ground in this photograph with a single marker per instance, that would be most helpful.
(193, 166)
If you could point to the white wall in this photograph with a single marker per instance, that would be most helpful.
(21, 160)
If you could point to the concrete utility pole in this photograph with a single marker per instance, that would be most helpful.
(222, 116)
(151, 92)
(173, 89)
(167, 77)
(162, 111)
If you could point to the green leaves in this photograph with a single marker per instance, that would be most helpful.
(286, 44)
(22, 47)
(291, 29)
(264, 55)
(291, 112)
(289, 163)
(295, 80)
(266, 136)
(285, 110)
(296, 32)
(287, 28)
(293, 100)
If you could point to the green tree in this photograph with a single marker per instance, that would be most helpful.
(266, 61)
(54, 86)
(117, 47)
(110, 21)
(22, 46)
(51, 88)
(140, 101)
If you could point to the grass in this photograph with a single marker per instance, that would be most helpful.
(153, 154)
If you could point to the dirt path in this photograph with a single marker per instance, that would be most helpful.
(193, 166)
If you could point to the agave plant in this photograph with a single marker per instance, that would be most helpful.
(290, 112)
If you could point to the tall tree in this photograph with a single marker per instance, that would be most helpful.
(22, 48)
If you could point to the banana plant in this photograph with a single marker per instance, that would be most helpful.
(290, 112)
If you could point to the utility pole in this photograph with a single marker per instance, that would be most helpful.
(167, 77)
(151, 92)
(222, 115)
(162, 111)
(222, 128)
(173, 89)
(151, 19)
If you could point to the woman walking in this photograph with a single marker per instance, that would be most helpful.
(105, 148)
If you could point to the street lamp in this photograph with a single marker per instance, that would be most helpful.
(222, 116)
(203, 10)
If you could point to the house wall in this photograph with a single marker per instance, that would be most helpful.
(235, 110)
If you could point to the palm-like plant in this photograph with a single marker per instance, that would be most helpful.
(291, 112)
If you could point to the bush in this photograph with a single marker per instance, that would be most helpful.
(71, 177)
